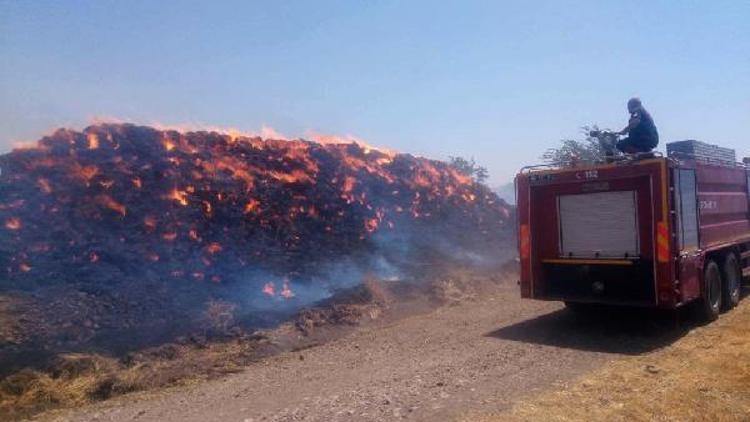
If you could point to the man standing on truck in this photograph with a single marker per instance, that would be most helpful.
(642, 134)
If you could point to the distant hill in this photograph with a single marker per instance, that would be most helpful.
(506, 192)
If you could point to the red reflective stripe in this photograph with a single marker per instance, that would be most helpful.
(662, 242)
(525, 241)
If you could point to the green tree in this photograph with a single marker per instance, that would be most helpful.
(470, 168)
(587, 149)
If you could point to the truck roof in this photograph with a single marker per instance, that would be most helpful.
(629, 160)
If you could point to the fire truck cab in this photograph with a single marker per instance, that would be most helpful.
(641, 230)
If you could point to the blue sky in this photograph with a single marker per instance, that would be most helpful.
(500, 81)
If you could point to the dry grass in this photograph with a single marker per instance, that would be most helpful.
(703, 376)
(76, 379)
(219, 316)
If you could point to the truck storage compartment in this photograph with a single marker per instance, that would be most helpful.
(599, 251)
(599, 225)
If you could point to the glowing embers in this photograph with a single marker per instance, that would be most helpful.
(168, 143)
(347, 189)
(214, 248)
(44, 185)
(113, 205)
(169, 236)
(93, 140)
(294, 176)
(269, 289)
(86, 172)
(13, 223)
(149, 223)
(203, 206)
(252, 206)
(180, 196)
(207, 208)
(372, 224)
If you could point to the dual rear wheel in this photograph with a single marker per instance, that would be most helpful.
(732, 281)
(721, 289)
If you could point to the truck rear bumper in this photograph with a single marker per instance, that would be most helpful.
(631, 284)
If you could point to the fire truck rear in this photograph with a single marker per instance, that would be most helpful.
(646, 231)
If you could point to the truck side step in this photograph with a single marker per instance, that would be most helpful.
(745, 255)
(746, 272)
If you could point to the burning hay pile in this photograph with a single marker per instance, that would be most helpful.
(266, 223)
(122, 239)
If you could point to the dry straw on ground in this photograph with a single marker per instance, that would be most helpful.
(703, 376)
(76, 379)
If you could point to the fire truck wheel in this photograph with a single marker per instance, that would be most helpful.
(732, 282)
(710, 306)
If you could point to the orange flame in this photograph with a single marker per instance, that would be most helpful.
(150, 222)
(207, 207)
(269, 289)
(168, 144)
(371, 224)
(44, 185)
(348, 139)
(286, 292)
(93, 140)
(292, 177)
(180, 196)
(194, 234)
(349, 183)
(214, 248)
(251, 206)
(110, 203)
(13, 223)
(88, 172)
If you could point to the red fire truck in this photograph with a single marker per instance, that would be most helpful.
(638, 230)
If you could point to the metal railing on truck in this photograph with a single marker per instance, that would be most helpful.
(620, 159)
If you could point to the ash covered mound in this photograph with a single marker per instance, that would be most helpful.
(162, 220)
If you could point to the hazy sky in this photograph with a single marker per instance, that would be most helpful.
(500, 81)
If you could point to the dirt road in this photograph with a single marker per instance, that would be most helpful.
(704, 376)
(477, 355)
